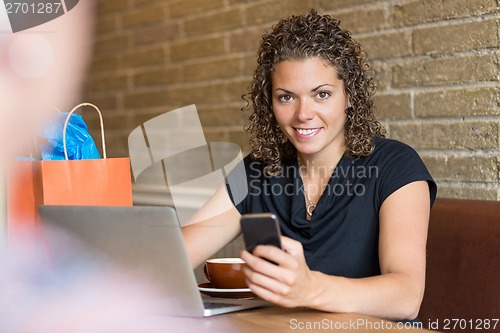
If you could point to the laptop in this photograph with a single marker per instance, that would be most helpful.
(142, 239)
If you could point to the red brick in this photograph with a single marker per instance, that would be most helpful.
(213, 69)
(141, 100)
(157, 77)
(381, 75)
(219, 21)
(144, 16)
(463, 168)
(199, 95)
(245, 40)
(458, 102)
(336, 4)
(181, 8)
(236, 88)
(356, 21)
(414, 12)
(393, 106)
(108, 83)
(106, 63)
(112, 44)
(239, 137)
(107, 103)
(273, 11)
(145, 57)
(451, 135)
(458, 70)
(106, 24)
(156, 34)
(217, 116)
(457, 38)
(112, 6)
(387, 45)
(190, 49)
(470, 191)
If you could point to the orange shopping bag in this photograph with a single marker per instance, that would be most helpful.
(96, 182)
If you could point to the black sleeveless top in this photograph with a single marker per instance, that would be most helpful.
(342, 237)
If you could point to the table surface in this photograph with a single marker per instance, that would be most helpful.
(277, 320)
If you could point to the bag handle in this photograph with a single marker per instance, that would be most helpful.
(101, 123)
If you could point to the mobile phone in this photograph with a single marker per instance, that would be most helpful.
(260, 229)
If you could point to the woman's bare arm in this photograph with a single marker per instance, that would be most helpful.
(212, 227)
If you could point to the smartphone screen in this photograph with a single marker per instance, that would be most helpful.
(260, 229)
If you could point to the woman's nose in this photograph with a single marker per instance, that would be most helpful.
(305, 111)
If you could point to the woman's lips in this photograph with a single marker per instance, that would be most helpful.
(306, 132)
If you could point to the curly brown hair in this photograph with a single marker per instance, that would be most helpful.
(298, 37)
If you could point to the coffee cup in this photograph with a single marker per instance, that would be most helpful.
(225, 273)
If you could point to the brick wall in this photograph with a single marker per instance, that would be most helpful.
(436, 63)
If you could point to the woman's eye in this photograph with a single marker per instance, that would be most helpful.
(323, 95)
(285, 98)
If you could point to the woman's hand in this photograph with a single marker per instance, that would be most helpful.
(289, 282)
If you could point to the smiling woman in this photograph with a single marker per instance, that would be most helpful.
(352, 241)
(310, 112)
(294, 40)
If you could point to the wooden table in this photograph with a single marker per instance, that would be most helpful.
(276, 320)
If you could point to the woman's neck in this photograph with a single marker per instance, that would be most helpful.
(319, 165)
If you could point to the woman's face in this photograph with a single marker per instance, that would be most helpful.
(309, 104)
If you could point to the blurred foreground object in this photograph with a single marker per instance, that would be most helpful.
(40, 67)
(83, 294)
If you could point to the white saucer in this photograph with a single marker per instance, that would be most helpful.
(217, 290)
(207, 289)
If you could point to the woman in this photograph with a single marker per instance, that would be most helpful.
(353, 206)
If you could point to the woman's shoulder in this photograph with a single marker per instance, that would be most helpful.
(399, 164)
(393, 157)
(388, 149)
(390, 144)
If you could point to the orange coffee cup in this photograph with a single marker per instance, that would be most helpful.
(225, 273)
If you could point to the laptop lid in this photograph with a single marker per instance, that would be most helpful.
(144, 239)
(140, 239)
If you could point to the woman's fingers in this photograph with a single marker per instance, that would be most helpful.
(263, 275)
(278, 275)
(292, 246)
